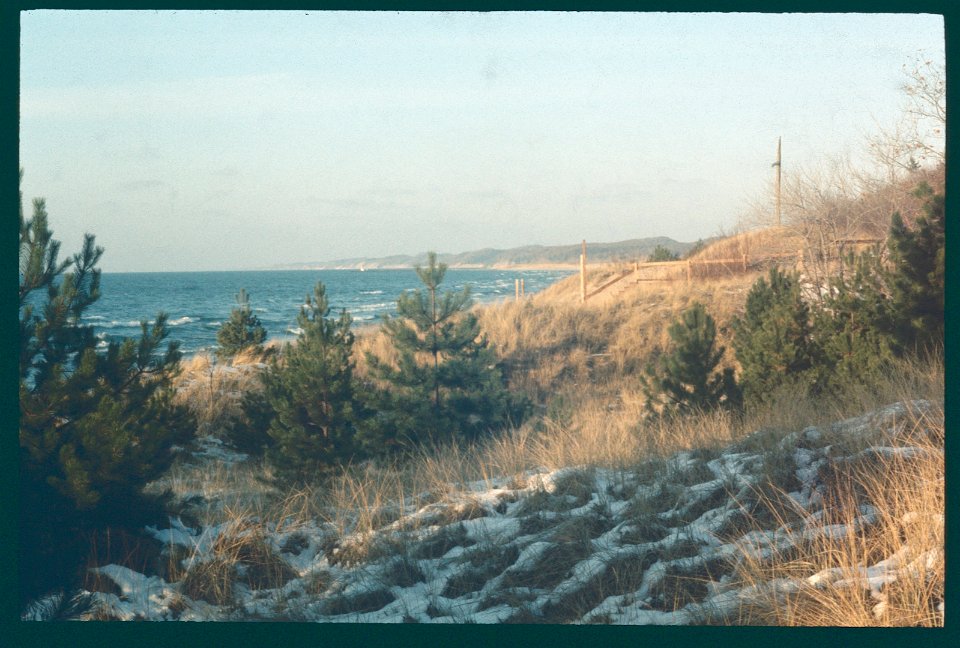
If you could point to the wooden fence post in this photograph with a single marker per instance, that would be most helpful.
(516, 290)
(522, 289)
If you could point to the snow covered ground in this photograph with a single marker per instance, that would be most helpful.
(654, 545)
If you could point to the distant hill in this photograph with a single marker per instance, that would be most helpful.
(528, 255)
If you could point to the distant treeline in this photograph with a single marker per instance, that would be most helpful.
(632, 250)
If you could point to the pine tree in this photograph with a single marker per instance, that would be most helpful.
(94, 427)
(310, 393)
(917, 282)
(242, 331)
(446, 384)
(661, 253)
(685, 380)
(854, 329)
(876, 313)
(697, 247)
(773, 339)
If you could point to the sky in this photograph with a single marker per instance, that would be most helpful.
(241, 140)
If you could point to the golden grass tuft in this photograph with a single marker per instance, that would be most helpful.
(551, 344)
(239, 554)
(213, 389)
(757, 244)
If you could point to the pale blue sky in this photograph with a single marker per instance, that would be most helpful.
(231, 140)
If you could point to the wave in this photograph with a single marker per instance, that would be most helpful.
(371, 292)
(136, 323)
(365, 308)
(122, 324)
(295, 330)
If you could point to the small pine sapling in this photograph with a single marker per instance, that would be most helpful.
(686, 380)
(310, 393)
(661, 253)
(854, 329)
(773, 339)
(243, 331)
(446, 385)
(917, 281)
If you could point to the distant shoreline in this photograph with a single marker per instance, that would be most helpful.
(451, 266)
(519, 268)
(518, 259)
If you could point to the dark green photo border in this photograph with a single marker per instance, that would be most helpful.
(16, 634)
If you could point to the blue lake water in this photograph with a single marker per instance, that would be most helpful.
(197, 303)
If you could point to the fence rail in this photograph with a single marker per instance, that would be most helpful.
(687, 269)
(690, 269)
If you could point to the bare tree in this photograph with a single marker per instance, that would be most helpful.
(835, 206)
(918, 138)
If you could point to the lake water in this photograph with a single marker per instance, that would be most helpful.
(197, 303)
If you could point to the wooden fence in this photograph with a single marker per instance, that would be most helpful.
(689, 269)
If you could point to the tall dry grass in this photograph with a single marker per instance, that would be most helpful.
(551, 344)
(757, 244)
(889, 573)
(213, 389)
(905, 380)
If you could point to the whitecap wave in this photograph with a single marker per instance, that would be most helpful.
(371, 292)
(181, 320)
(295, 330)
(366, 308)
(122, 324)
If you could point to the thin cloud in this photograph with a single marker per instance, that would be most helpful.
(140, 185)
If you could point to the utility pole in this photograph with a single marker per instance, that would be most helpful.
(777, 164)
(583, 271)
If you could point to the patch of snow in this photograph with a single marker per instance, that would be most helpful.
(213, 449)
(148, 596)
